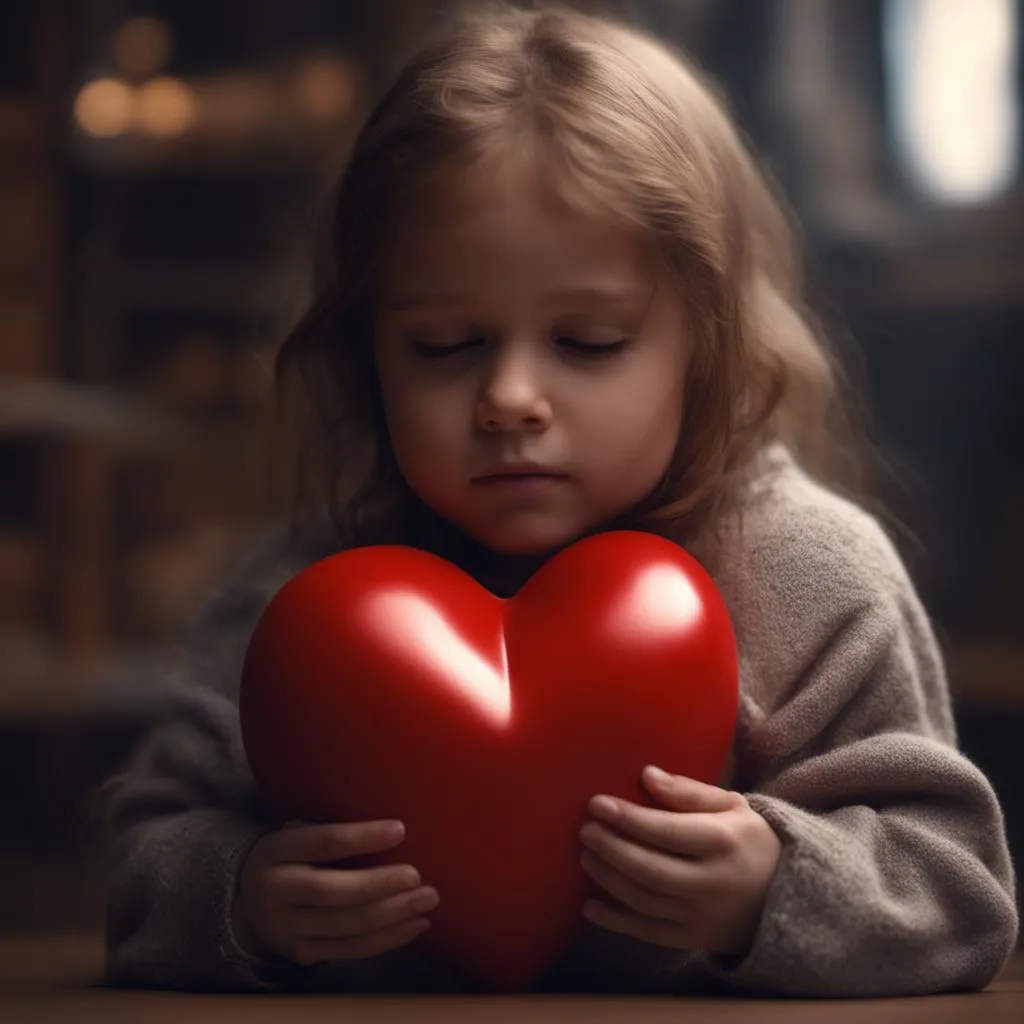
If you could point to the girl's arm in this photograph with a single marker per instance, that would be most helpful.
(177, 825)
(895, 875)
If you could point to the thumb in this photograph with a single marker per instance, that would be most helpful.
(681, 793)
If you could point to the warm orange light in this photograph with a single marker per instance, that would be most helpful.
(103, 108)
(142, 46)
(236, 105)
(325, 87)
(165, 107)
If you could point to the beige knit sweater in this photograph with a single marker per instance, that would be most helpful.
(895, 876)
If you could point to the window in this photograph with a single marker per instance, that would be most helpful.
(951, 71)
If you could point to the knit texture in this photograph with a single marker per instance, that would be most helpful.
(894, 879)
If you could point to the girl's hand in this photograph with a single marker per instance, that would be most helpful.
(693, 876)
(286, 904)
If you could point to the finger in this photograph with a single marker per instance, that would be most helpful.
(311, 951)
(680, 793)
(632, 894)
(696, 834)
(646, 929)
(306, 885)
(310, 844)
(347, 922)
(654, 870)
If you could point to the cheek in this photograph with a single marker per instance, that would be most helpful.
(641, 419)
(634, 441)
(420, 421)
(403, 400)
(399, 410)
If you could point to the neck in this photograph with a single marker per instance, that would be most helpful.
(502, 574)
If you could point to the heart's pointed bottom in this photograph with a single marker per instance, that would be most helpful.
(507, 967)
(512, 937)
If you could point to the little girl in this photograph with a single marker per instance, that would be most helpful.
(562, 300)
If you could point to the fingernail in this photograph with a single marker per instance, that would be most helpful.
(604, 805)
(404, 878)
(424, 901)
(658, 776)
(394, 829)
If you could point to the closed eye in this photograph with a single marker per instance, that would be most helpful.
(429, 351)
(588, 348)
(574, 345)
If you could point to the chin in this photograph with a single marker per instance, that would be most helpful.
(521, 548)
(529, 543)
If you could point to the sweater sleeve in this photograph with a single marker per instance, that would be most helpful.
(895, 877)
(178, 823)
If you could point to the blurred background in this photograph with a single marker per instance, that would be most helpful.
(162, 163)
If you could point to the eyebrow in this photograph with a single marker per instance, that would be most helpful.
(593, 293)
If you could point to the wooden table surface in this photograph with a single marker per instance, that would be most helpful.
(51, 980)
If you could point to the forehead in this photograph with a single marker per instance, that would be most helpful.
(511, 223)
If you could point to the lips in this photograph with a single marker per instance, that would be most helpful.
(520, 479)
(518, 486)
(519, 472)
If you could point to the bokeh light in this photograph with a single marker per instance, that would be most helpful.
(104, 108)
(142, 47)
(325, 87)
(164, 108)
(956, 109)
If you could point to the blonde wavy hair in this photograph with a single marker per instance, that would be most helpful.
(626, 128)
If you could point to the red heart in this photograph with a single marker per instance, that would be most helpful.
(383, 682)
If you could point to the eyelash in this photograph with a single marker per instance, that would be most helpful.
(582, 348)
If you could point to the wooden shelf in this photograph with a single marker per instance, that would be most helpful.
(22, 577)
(38, 685)
(23, 128)
(62, 409)
(936, 281)
(137, 156)
(202, 289)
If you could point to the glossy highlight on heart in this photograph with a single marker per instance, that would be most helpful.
(384, 682)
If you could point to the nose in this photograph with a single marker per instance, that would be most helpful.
(513, 397)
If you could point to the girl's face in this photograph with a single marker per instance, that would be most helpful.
(532, 364)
